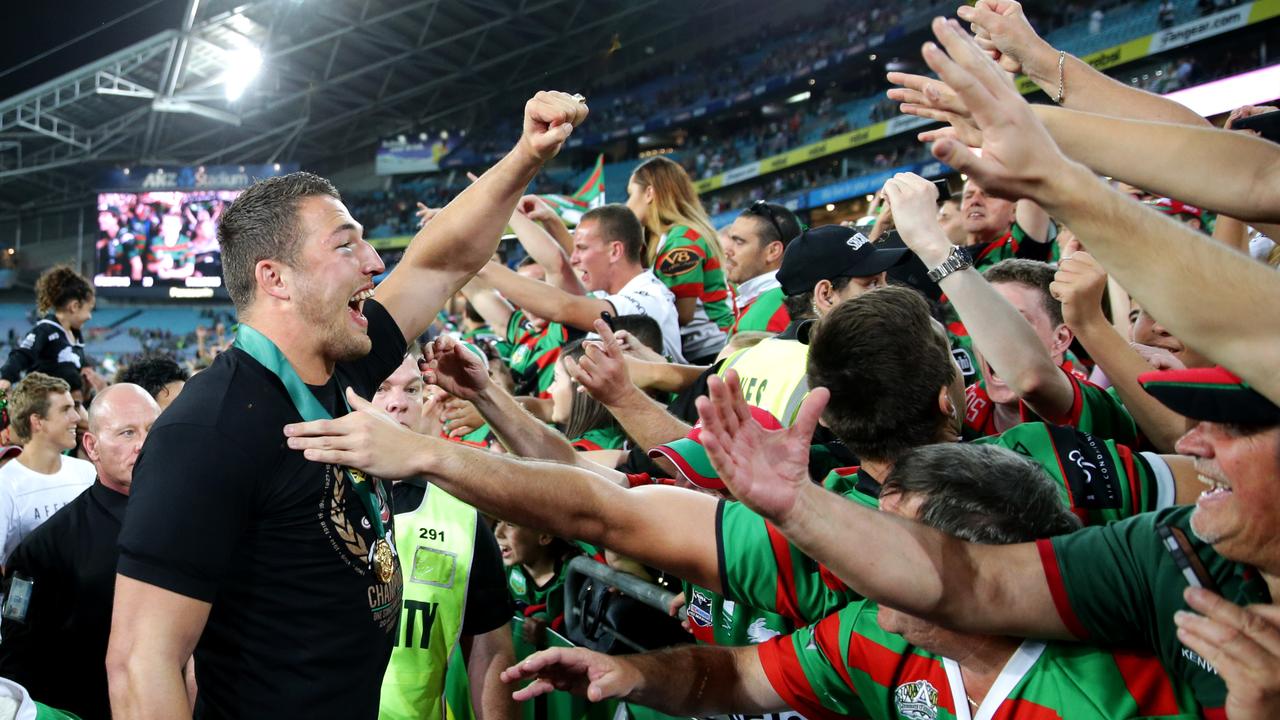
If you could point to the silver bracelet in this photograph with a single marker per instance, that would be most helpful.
(1062, 64)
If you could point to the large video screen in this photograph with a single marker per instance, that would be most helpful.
(161, 244)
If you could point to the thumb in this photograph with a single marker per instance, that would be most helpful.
(958, 156)
(606, 686)
(358, 403)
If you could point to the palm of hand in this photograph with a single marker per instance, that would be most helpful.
(767, 468)
(460, 377)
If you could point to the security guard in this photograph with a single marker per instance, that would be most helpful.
(821, 268)
(61, 578)
(454, 588)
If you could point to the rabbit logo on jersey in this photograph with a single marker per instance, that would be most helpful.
(917, 700)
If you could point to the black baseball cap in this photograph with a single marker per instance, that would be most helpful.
(830, 252)
(1214, 394)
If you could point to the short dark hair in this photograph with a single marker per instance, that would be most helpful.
(618, 224)
(800, 306)
(884, 360)
(262, 224)
(777, 222)
(982, 493)
(644, 328)
(1033, 274)
(152, 373)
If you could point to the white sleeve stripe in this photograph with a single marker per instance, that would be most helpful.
(1165, 488)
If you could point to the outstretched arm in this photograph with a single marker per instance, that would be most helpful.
(999, 589)
(542, 247)
(543, 299)
(495, 310)
(487, 655)
(665, 527)
(457, 242)
(1079, 284)
(461, 374)
(1003, 336)
(1141, 151)
(1001, 28)
(1174, 272)
(602, 370)
(686, 680)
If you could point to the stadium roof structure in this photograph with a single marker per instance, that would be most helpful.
(337, 76)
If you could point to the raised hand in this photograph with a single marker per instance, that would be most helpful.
(549, 119)
(461, 418)
(602, 370)
(1019, 159)
(1242, 644)
(636, 349)
(915, 210)
(1079, 285)
(535, 208)
(764, 469)
(453, 367)
(582, 672)
(366, 438)
(425, 214)
(931, 98)
(1002, 29)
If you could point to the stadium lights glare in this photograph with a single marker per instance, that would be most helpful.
(243, 65)
(799, 97)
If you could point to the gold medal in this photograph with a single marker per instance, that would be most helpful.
(383, 560)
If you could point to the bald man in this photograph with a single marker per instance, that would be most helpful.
(54, 642)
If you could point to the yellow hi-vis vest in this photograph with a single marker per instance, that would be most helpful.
(436, 542)
(774, 375)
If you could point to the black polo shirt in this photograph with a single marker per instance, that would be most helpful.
(58, 652)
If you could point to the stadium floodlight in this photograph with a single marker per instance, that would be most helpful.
(799, 97)
(243, 64)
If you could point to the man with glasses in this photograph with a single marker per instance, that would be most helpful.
(753, 248)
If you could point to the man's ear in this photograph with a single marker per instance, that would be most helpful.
(773, 252)
(1062, 337)
(945, 405)
(91, 447)
(272, 278)
(616, 251)
(824, 296)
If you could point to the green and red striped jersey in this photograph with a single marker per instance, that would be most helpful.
(686, 264)
(1093, 410)
(533, 354)
(1101, 481)
(1121, 585)
(847, 665)
(604, 438)
(716, 620)
(1014, 244)
(767, 313)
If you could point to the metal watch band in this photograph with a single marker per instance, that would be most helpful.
(957, 259)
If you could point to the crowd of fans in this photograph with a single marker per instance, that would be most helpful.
(1010, 453)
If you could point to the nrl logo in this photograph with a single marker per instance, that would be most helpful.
(917, 700)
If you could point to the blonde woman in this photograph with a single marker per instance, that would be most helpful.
(684, 253)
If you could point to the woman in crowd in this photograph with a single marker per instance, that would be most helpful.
(684, 254)
(55, 346)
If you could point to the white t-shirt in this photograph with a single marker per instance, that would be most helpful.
(645, 294)
(28, 498)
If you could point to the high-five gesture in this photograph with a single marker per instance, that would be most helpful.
(1019, 159)
(453, 367)
(765, 469)
(549, 119)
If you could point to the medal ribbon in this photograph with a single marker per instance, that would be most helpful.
(260, 348)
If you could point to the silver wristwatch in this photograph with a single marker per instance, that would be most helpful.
(957, 259)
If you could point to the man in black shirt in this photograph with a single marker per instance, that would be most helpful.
(55, 645)
(276, 571)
